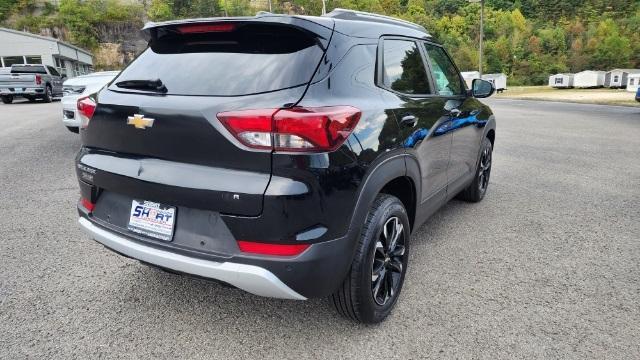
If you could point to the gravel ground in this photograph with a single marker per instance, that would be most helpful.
(547, 266)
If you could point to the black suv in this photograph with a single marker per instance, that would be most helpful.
(288, 156)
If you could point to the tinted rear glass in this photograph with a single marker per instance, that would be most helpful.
(28, 69)
(253, 58)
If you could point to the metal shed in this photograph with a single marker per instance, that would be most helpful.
(617, 78)
(589, 79)
(561, 81)
(633, 82)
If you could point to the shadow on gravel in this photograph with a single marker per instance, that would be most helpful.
(27, 102)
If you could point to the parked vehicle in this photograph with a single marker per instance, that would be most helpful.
(638, 95)
(290, 157)
(31, 82)
(78, 87)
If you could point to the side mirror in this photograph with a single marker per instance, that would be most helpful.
(482, 88)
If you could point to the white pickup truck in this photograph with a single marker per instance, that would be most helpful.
(31, 82)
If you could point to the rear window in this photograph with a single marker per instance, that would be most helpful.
(28, 69)
(252, 58)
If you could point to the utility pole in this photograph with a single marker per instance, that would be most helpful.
(270, 7)
(324, 7)
(481, 32)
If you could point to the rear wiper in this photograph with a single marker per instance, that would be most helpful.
(153, 85)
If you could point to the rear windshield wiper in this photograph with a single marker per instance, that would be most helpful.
(153, 85)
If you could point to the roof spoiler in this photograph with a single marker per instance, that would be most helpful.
(320, 27)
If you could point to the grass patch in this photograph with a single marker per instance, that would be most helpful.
(587, 96)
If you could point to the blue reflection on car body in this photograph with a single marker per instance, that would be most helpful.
(415, 137)
(445, 127)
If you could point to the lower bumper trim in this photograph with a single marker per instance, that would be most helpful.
(253, 279)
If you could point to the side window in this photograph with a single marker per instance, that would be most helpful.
(403, 67)
(445, 75)
(53, 71)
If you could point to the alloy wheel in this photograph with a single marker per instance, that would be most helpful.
(485, 169)
(388, 260)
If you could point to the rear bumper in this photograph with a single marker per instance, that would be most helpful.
(21, 91)
(251, 278)
(69, 112)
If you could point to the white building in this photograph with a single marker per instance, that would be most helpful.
(589, 79)
(561, 81)
(469, 76)
(617, 78)
(18, 47)
(633, 82)
(498, 80)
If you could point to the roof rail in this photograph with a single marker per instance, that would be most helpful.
(347, 14)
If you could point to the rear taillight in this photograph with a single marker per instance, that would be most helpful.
(206, 28)
(38, 79)
(272, 249)
(87, 204)
(86, 108)
(299, 129)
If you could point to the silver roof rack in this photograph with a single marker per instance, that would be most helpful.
(347, 14)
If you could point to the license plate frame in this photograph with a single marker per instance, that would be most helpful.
(152, 219)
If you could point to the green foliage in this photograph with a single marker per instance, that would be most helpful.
(6, 8)
(160, 10)
(526, 39)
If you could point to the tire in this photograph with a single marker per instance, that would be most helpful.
(73, 129)
(478, 188)
(7, 99)
(48, 95)
(361, 297)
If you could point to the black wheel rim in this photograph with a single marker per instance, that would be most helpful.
(485, 169)
(388, 260)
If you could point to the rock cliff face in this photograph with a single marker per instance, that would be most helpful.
(119, 44)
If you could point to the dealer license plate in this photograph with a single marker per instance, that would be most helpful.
(152, 219)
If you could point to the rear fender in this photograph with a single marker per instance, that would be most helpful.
(381, 172)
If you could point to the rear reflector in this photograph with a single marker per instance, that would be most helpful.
(272, 249)
(87, 204)
(299, 129)
(206, 28)
(86, 108)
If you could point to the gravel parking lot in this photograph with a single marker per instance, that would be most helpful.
(547, 266)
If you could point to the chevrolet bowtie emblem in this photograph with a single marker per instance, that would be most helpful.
(139, 121)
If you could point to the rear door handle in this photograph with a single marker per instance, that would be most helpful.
(409, 120)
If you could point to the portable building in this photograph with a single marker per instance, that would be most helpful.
(499, 81)
(589, 79)
(617, 78)
(469, 76)
(561, 81)
(633, 82)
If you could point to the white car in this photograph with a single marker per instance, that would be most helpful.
(81, 86)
